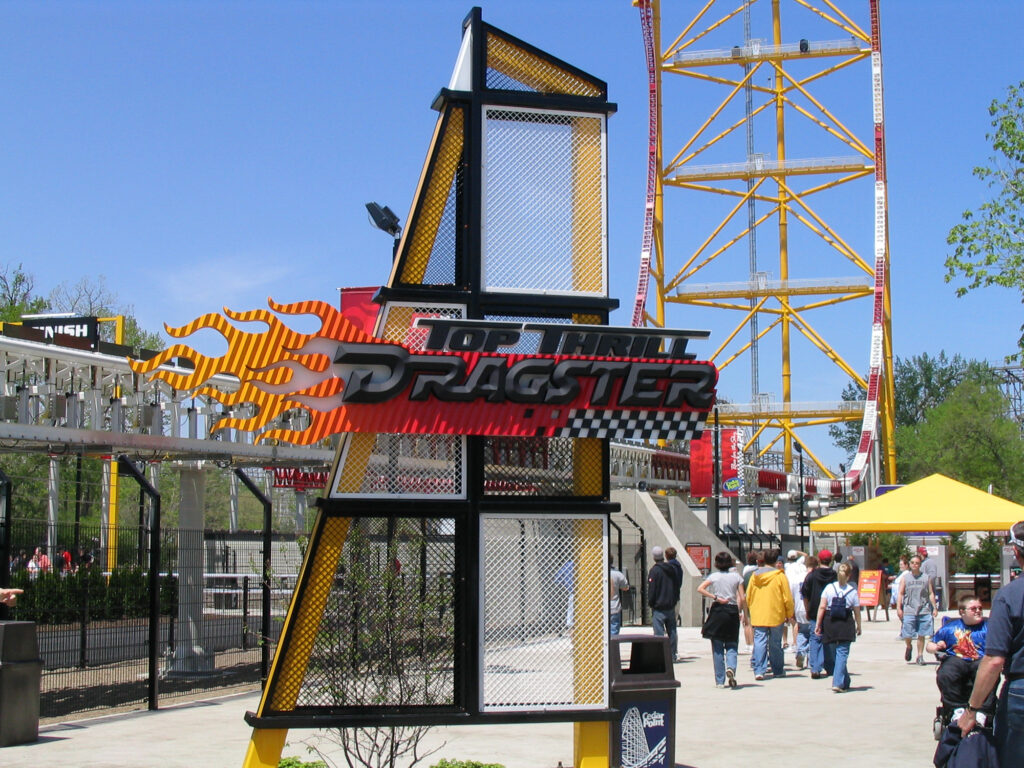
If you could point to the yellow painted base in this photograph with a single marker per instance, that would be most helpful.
(265, 748)
(591, 745)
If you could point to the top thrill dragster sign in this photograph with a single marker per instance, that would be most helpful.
(585, 381)
(455, 377)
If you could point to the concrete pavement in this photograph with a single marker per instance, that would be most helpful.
(885, 719)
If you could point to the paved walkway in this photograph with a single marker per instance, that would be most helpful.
(885, 720)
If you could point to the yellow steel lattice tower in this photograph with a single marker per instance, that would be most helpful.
(756, 109)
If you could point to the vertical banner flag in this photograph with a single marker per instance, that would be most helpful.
(701, 455)
(732, 461)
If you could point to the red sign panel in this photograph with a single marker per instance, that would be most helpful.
(869, 588)
(700, 465)
(701, 556)
(732, 459)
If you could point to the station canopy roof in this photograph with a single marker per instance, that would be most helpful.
(933, 504)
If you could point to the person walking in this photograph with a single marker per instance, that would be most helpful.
(930, 569)
(804, 623)
(771, 606)
(894, 581)
(1004, 653)
(722, 626)
(822, 656)
(617, 584)
(838, 623)
(916, 608)
(677, 569)
(661, 597)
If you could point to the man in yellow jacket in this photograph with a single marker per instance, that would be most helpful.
(771, 606)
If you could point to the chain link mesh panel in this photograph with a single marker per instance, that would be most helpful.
(430, 258)
(405, 466)
(544, 202)
(511, 68)
(387, 636)
(400, 317)
(542, 466)
(544, 612)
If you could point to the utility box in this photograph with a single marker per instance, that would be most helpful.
(644, 692)
(21, 671)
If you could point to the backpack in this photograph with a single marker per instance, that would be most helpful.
(837, 607)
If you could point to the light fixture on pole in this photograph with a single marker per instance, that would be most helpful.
(842, 491)
(384, 219)
(800, 514)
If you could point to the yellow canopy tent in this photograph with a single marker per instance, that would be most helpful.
(933, 504)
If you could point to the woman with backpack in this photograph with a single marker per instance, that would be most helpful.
(839, 623)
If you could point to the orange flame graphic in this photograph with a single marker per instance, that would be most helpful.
(278, 369)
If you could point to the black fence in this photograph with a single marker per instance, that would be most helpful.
(112, 633)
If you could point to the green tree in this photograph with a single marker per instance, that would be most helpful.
(922, 382)
(985, 559)
(988, 244)
(17, 295)
(969, 438)
(891, 546)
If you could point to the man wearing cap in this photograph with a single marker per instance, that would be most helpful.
(1004, 653)
(822, 654)
(929, 569)
(662, 591)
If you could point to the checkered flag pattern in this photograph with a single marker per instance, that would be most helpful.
(635, 425)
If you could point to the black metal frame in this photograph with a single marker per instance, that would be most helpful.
(467, 292)
(5, 539)
(127, 468)
(268, 520)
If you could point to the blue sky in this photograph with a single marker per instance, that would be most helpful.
(199, 154)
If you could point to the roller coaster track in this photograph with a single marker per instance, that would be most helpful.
(878, 403)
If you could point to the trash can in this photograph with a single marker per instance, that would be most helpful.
(21, 672)
(644, 692)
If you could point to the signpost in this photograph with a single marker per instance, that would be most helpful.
(701, 556)
(870, 591)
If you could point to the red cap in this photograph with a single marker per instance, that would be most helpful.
(825, 557)
(922, 551)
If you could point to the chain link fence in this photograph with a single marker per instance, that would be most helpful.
(86, 584)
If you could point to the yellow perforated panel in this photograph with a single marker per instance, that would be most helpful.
(590, 588)
(355, 457)
(435, 190)
(512, 68)
(588, 205)
(588, 466)
(302, 623)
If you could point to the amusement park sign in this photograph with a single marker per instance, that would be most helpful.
(585, 381)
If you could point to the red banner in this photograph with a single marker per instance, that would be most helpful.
(298, 479)
(732, 456)
(700, 464)
(358, 308)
